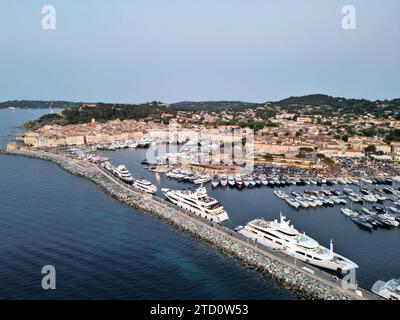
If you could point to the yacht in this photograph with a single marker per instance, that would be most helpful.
(389, 290)
(246, 182)
(281, 194)
(239, 181)
(203, 178)
(231, 181)
(145, 185)
(368, 211)
(257, 180)
(109, 167)
(198, 202)
(283, 236)
(264, 180)
(350, 213)
(224, 180)
(123, 174)
(215, 181)
(369, 198)
(293, 203)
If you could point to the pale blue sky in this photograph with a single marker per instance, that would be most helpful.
(174, 50)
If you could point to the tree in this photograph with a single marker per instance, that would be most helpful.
(329, 162)
(306, 149)
(370, 149)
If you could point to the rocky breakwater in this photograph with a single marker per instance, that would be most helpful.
(288, 276)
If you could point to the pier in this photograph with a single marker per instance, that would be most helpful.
(298, 277)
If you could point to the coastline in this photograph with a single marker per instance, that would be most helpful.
(271, 264)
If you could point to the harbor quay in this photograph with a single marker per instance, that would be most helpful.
(295, 276)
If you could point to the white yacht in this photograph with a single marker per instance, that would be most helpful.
(145, 185)
(283, 236)
(122, 173)
(224, 180)
(202, 178)
(349, 213)
(198, 202)
(389, 290)
(293, 203)
(231, 181)
(109, 167)
(281, 194)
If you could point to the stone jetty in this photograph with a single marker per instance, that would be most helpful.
(304, 280)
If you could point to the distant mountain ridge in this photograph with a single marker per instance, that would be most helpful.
(213, 105)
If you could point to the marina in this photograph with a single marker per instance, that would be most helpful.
(321, 285)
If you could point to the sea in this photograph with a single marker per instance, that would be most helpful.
(102, 249)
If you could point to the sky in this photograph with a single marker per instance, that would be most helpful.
(133, 51)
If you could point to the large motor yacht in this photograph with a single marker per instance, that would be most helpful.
(198, 202)
(145, 185)
(283, 236)
(122, 173)
(389, 290)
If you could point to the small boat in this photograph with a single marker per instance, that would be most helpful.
(394, 210)
(257, 181)
(215, 181)
(238, 228)
(388, 219)
(224, 180)
(145, 185)
(239, 181)
(264, 180)
(368, 211)
(203, 178)
(293, 203)
(362, 223)
(281, 194)
(231, 182)
(349, 213)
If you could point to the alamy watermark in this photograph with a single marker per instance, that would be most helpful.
(49, 17)
(349, 20)
(49, 280)
(224, 146)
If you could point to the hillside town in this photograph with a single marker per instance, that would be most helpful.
(285, 135)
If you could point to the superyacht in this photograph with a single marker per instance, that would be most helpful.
(198, 202)
(145, 185)
(123, 174)
(283, 236)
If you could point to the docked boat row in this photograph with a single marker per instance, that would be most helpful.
(310, 199)
(122, 173)
(281, 235)
(188, 176)
(143, 143)
(371, 219)
(250, 181)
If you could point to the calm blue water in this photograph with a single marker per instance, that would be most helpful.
(101, 248)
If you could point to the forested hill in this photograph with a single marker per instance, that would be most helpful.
(103, 112)
(335, 106)
(214, 106)
(30, 104)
